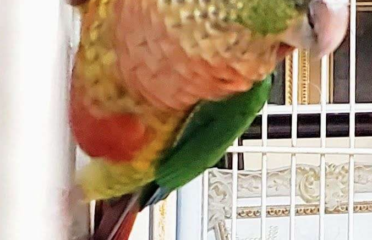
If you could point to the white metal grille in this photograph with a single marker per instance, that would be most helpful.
(323, 108)
(191, 216)
(323, 150)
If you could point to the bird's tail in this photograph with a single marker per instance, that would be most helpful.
(114, 221)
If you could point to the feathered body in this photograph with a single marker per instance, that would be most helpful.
(133, 48)
(160, 88)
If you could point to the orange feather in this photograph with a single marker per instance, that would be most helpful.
(116, 137)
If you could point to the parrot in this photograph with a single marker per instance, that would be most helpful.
(161, 88)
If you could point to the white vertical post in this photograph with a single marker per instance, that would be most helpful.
(36, 154)
(294, 143)
(151, 222)
(352, 116)
(162, 224)
(323, 131)
(190, 211)
(205, 204)
(264, 172)
(234, 191)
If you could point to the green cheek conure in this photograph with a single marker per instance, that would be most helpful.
(161, 88)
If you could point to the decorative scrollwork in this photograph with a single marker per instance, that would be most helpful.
(301, 210)
(278, 184)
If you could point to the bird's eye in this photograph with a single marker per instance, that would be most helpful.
(310, 19)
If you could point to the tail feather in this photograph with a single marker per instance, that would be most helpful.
(126, 226)
(117, 220)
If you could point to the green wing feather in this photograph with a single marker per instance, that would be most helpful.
(209, 131)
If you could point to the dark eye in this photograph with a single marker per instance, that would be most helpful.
(310, 19)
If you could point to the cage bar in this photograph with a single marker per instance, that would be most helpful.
(205, 204)
(234, 192)
(323, 132)
(151, 222)
(264, 172)
(162, 223)
(301, 150)
(192, 207)
(352, 69)
(308, 126)
(317, 108)
(294, 143)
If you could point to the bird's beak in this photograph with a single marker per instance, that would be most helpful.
(322, 29)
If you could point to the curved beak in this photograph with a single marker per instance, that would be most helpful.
(331, 22)
(322, 29)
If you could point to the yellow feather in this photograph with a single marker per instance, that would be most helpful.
(102, 179)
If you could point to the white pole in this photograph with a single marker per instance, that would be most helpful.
(264, 172)
(352, 69)
(294, 144)
(323, 136)
(36, 154)
(234, 203)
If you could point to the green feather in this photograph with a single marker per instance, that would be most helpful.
(269, 16)
(211, 129)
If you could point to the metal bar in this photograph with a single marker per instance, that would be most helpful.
(36, 151)
(323, 131)
(264, 173)
(151, 222)
(205, 204)
(190, 210)
(301, 150)
(234, 191)
(172, 210)
(352, 116)
(317, 108)
(294, 143)
(309, 126)
(164, 220)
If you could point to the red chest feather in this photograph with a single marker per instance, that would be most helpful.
(116, 137)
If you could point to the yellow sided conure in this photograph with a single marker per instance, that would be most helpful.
(161, 88)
